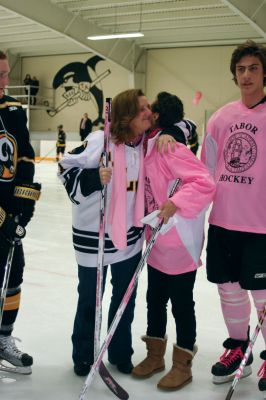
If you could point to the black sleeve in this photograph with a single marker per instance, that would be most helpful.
(87, 179)
(176, 133)
(193, 137)
(25, 165)
(193, 140)
(90, 181)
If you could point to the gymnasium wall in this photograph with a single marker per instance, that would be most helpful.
(182, 71)
(81, 81)
(185, 71)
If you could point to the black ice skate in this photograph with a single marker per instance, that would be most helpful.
(12, 359)
(262, 374)
(224, 370)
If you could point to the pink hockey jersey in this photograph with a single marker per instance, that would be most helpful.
(234, 150)
(169, 253)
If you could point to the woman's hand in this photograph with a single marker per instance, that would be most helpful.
(168, 209)
(105, 175)
(163, 141)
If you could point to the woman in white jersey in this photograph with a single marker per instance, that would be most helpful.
(83, 180)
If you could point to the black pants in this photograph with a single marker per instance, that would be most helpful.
(235, 256)
(179, 289)
(120, 349)
(15, 280)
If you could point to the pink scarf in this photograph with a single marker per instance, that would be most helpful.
(118, 204)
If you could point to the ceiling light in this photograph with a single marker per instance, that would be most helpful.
(116, 36)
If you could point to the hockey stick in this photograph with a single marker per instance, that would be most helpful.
(6, 279)
(104, 373)
(241, 367)
(119, 313)
(50, 151)
(111, 383)
(99, 279)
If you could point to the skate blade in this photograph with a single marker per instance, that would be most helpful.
(8, 367)
(218, 380)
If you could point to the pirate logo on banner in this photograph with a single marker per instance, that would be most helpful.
(81, 83)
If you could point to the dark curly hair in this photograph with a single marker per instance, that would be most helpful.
(125, 107)
(170, 109)
(249, 48)
(3, 55)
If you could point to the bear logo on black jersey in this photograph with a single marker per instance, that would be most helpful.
(8, 156)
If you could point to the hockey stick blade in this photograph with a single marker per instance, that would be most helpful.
(111, 383)
(230, 393)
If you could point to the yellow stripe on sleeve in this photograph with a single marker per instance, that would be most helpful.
(12, 302)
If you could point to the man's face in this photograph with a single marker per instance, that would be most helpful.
(250, 75)
(4, 71)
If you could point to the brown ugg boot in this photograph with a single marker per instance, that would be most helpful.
(180, 373)
(154, 362)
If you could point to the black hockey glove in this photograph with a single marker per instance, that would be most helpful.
(25, 196)
(9, 228)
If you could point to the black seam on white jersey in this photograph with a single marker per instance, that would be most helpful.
(90, 250)
(71, 183)
(87, 242)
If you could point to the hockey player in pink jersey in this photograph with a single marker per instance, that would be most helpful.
(234, 151)
(175, 255)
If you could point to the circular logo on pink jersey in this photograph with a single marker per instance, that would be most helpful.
(240, 152)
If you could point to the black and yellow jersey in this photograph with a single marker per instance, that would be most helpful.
(16, 152)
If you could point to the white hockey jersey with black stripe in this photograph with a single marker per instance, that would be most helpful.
(86, 209)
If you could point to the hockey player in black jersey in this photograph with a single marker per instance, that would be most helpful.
(61, 143)
(18, 194)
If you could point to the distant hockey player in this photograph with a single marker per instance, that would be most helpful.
(18, 194)
(234, 150)
(61, 143)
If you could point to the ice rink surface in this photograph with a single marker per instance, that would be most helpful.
(47, 310)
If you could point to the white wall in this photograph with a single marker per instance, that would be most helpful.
(184, 71)
(181, 71)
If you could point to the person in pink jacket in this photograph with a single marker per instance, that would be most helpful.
(175, 256)
(234, 150)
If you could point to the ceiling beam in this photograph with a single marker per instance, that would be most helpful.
(75, 29)
(256, 20)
